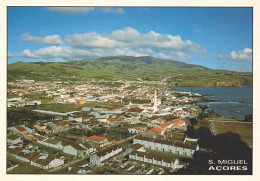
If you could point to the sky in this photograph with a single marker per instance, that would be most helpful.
(217, 38)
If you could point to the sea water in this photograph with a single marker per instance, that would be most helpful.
(226, 101)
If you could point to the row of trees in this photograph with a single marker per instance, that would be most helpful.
(24, 115)
(85, 132)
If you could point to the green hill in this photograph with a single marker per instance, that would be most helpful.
(126, 67)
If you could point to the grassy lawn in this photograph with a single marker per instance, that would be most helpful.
(60, 107)
(181, 135)
(191, 142)
(74, 107)
(164, 154)
(245, 130)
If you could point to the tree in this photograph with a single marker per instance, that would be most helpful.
(206, 139)
(191, 132)
(193, 121)
(248, 118)
(226, 146)
(199, 164)
(230, 146)
(202, 116)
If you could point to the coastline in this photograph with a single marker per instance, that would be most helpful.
(220, 103)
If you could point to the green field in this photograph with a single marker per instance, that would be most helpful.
(75, 107)
(244, 129)
(114, 68)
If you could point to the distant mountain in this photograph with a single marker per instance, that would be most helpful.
(144, 59)
(127, 67)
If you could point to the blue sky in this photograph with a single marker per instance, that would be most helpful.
(218, 38)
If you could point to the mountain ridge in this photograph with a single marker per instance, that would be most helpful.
(128, 67)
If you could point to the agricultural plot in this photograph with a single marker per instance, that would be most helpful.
(244, 129)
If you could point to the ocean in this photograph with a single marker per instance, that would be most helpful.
(226, 101)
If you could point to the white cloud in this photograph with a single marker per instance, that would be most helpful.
(47, 40)
(112, 10)
(71, 10)
(131, 38)
(127, 42)
(91, 40)
(244, 55)
(69, 53)
(10, 55)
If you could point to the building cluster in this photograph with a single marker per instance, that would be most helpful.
(155, 118)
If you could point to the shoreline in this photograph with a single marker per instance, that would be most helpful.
(206, 99)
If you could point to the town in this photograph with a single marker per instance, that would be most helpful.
(99, 127)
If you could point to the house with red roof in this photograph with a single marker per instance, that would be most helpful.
(151, 125)
(22, 130)
(158, 121)
(111, 121)
(158, 131)
(99, 140)
(105, 125)
(165, 125)
(19, 129)
(57, 126)
(80, 100)
(149, 134)
(136, 130)
(114, 100)
(41, 127)
(179, 124)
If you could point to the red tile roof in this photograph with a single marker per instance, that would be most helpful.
(60, 122)
(41, 138)
(138, 129)
(153, 133)
(97, 138)
(104, 124)
(157, 129)
(165, 125)
(114, 100)
(111, 119)
(178, 123)
(21, 129)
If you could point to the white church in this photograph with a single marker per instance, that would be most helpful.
(156, 102)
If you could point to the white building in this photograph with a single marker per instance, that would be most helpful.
(154, 159)
(74, 149)
(135, 130)
(78, 150)
(47, 162)
(14, 139)
(51, 143)
(102, 156)
(175, 147)
(99, 140)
